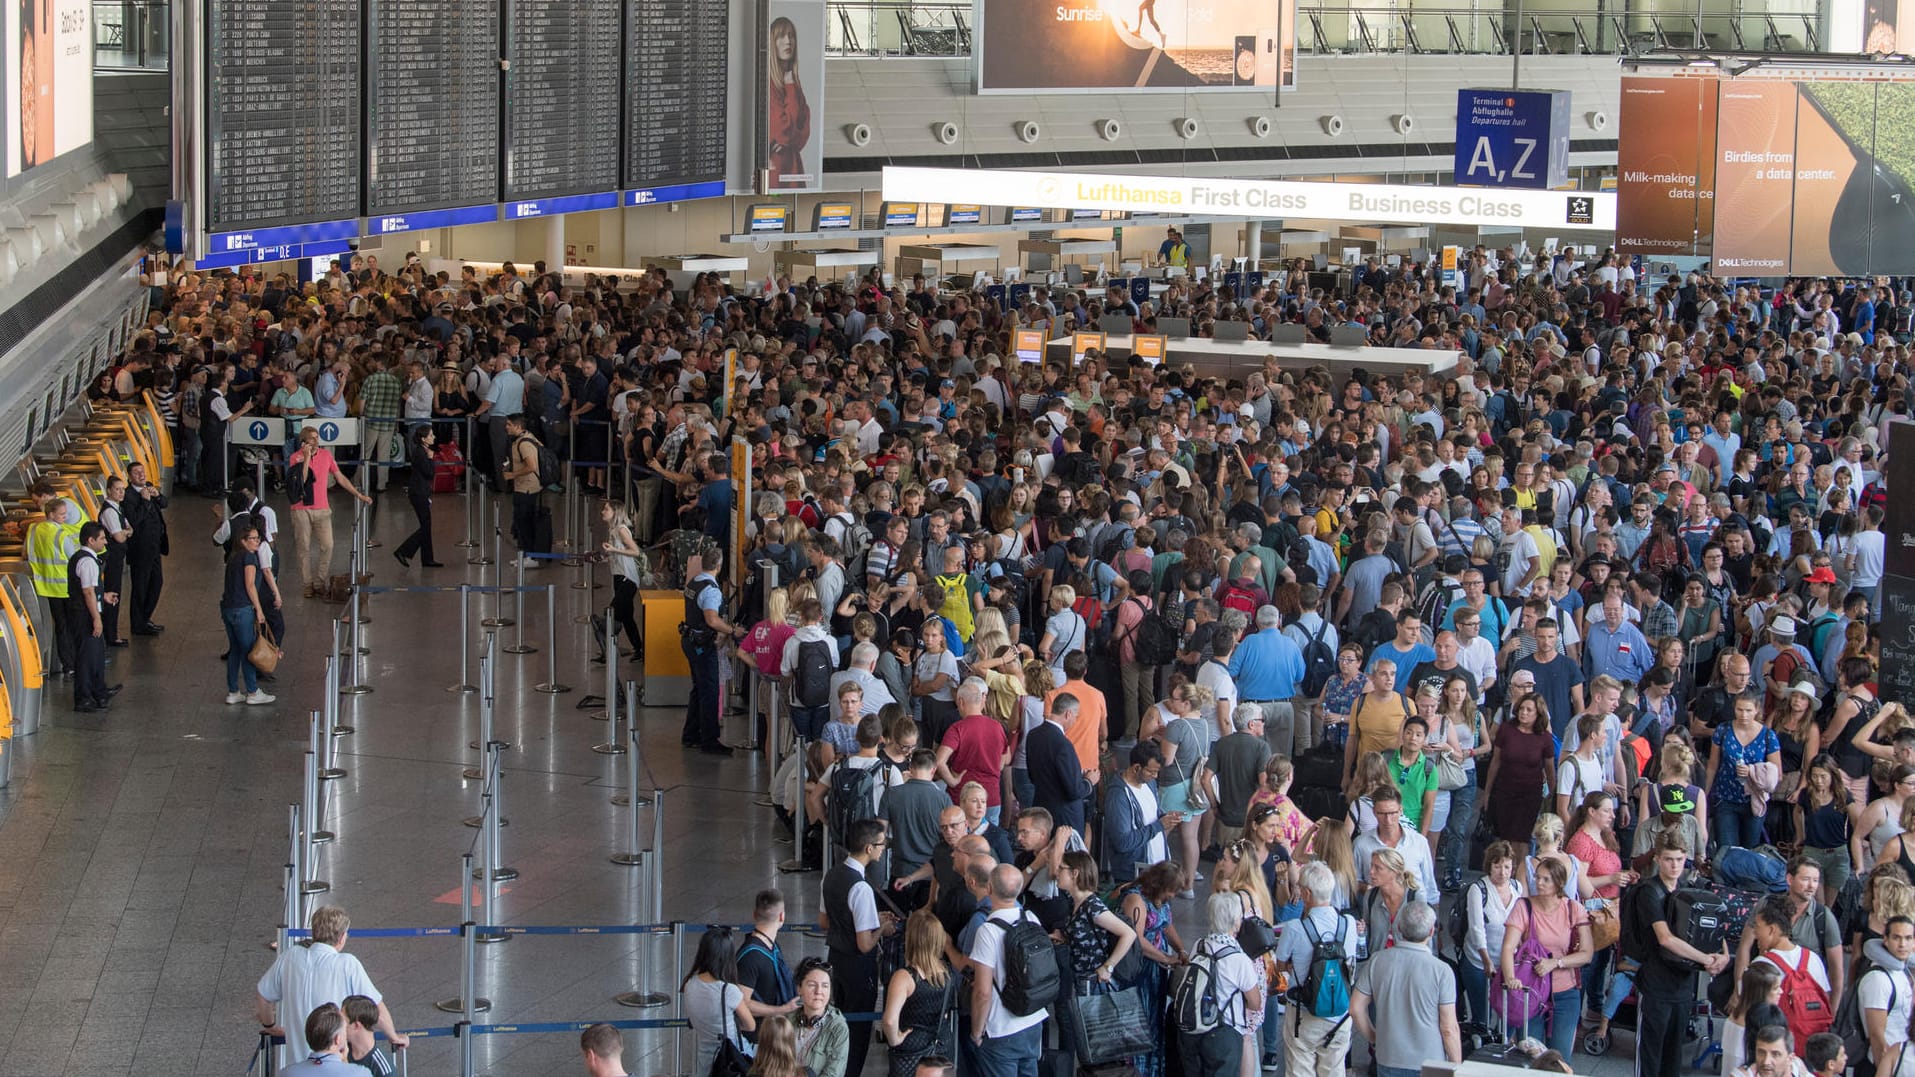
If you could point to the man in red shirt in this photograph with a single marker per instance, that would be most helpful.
(976, 748)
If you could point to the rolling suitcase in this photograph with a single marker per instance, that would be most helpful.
(1702, 919)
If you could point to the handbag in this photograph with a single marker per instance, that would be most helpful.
(1605, 926)
(265, 653)
(1255, 936)
(1198, 797)
(1450, 774)
(1110, 1025)
(1529, 995)
(730, 1060)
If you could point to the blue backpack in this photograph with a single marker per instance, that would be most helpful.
(1751, 869)
(1325, 990)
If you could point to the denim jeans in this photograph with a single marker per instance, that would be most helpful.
(1014, 1055)
(1398, 1071)
(1453, 857)
(241, 630)
(1734, 824)
(1595, 977)
(1564, 1014)
(1475, 990)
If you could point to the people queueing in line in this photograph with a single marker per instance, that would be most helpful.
(1598, 587)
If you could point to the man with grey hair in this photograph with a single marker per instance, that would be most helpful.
(1318, 1035)
(974, 747)
(1405, 999)
(1238, 984)
(864, 661)
(1238, 760)
(1267, 667)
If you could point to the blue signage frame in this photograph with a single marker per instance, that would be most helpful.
(1512, 138)
(395, 223)
(677, 192)
(526, 209)
(222, 243)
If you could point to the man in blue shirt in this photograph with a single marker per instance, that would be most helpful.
(715, 498)
(505, 397)
(1267, 667)
(1614, 646)
(1407, 650)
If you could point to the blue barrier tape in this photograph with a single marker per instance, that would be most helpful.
(591, 463)
(440, 590)
(573, 1026)
(387, 932)
(586, 929)
(548, 557)
(437, 1033)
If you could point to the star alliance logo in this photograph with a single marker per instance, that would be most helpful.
(1582, 209)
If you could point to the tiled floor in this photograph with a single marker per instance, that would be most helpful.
(141, 851)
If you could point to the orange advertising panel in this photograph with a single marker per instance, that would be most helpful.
(1755, 175)
(1854, 207)
(1030, 345)
(1083, 342)
(1148, 347)
(1665, 202)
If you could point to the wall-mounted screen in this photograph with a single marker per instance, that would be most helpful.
(900, 214)
(50, 93)
(1030, 345)
(1162, 46)
(833, 216)
(769, 218)
(960, 214)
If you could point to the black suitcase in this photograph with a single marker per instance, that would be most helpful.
(1319, 768)
(1701, 918)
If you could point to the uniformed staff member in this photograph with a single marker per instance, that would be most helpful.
(701, 632)
(853, 927)
(50, 543)
(145, 551)
(113, 561)
(83, 573)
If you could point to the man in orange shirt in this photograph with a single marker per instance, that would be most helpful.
(1092, 729)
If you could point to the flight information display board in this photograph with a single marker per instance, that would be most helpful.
(675, 79)
(561, 98)
(433, 75)
(282, 113)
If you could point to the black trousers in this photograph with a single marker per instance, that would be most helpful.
(89, 677)
(854, 988)
(525, 522)
(701, 710)
(1217, 1052)
(1659, 1030)
(420, 541)
(624, 605)
(63, 638)
(112, 579)
(148, 570)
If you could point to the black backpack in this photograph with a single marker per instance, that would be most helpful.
(811, 685)
(1434, 604)
(1032, 978)
(1319, 660)
(1154, 638)
(853, 794)
(550, 473)
(1458, 915)
(1848, 1013)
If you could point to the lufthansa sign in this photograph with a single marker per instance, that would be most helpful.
(1354, 202)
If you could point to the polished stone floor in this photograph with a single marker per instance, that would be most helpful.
(141, 850)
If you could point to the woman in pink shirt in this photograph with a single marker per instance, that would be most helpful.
(309, 473)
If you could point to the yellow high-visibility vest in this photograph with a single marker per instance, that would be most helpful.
(48, 547)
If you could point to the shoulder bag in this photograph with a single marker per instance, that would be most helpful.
(1528, 995)
(265, 653)
(1450, 774)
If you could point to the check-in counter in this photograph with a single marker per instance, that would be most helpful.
(1238, 358)
(822, 263)
(931, 258)
(668, 673)
(23, 662)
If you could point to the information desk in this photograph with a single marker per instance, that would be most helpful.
(794, 263)
(1237, 358)
(701, 263)
(1067, 248)
(1388, 237)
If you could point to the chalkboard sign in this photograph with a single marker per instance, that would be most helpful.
(1897, 679)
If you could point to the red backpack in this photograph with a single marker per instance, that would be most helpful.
(1236, 598)
(1805, 1002)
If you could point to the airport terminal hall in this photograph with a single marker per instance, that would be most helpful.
(957, 538)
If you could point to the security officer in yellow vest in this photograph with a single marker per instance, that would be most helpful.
(85, 596)
(1173, 251)
(50, 544)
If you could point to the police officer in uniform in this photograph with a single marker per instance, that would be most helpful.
(113, 560)
(701, 632)
(84, 599)
(51, 543)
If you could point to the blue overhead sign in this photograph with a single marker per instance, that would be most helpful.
(1512, 138)
(394, 223)
(220, 243)
(285, 252)
(552, 207)
(679, 192)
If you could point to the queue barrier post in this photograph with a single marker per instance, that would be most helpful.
(355, 652)
(331, 694)
(329, 770)
(368, 510)
(678, 1004)
(295, 870)
(467, 1003)
(498, 618)
(312, 802)
(647, 861)
(488, 860)
(500, 873)
(610, 713)
(488, 673)
(471, 502)
(551, 685)
(518, 618)
(464, 683)
(633, 798)
(486, 509)
(303, 840)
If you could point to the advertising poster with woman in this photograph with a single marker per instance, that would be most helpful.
(794, 94)
(49, 80)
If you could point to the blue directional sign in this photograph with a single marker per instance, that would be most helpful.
(258, 429)
(1512, 138)
(394, 223)
(551, 207)
(227, 242)
(677, 192)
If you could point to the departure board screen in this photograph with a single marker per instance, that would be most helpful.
(561, 98)
(434, 116)
(675, 78)
(282, 113)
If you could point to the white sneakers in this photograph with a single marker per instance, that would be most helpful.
(255, 699)
(235, 697)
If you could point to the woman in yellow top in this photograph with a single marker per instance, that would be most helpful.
(1376, 720)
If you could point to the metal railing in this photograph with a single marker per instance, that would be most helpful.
(132, 34)
(944, 29)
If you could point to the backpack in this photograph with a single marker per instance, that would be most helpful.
(857, 542)
(1751, 869)
(1154, 639)
(1819, 632)
(1804, 1001)
(1116, 540)
(811, 685)
(1032, 978)
(1236, 598)
(1325, 990)
(550, 474)
(853, 791)
(1434, 603)
(300, 483)
(1848, 1016)
(1319, 661)
(1458, 914)
(1194, 1002)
